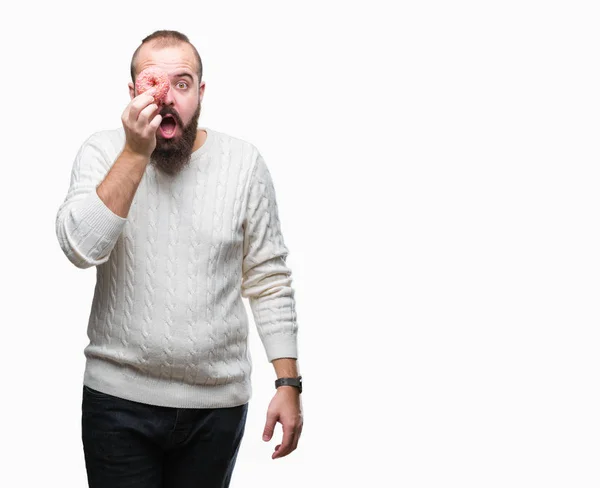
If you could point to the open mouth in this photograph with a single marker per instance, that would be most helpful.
(168, 126)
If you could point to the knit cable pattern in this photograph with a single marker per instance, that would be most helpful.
(168, 325)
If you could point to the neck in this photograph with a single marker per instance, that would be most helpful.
(200, 139)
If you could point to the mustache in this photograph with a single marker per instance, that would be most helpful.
(169, 111)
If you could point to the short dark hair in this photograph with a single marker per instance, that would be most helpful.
(165, 38)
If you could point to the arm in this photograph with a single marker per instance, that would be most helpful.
(266, 279)
(86, 228)
(92, 217)
(267, 282)
(285, 368)
(119, 187)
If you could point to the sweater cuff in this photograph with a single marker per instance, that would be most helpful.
(94, 228)
(281, 346)
(104, 223)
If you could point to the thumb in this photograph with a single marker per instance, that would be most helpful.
(269, 427)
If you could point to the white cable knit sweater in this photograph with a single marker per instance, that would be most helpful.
(167, 325)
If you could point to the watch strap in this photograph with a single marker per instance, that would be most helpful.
(297, 382)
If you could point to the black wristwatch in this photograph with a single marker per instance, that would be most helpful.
(297, 382)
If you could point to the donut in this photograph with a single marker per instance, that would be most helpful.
(153, 78)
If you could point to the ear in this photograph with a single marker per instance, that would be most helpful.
(131, 90)
(201, 90)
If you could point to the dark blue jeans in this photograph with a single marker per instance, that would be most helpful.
(135, 445)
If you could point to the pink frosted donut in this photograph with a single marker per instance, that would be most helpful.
(153, 78)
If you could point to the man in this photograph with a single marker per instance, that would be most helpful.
(181, 224)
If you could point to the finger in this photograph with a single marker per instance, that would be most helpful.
(138, 104)
(269, 426)
(125, 117)
(149, 91)
(286, 443)
(297, 438)
(155, 123)
(146, 114)
(125, 114)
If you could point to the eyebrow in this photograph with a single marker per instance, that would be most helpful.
(181, 75)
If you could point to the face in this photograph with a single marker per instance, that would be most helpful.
(181, 107)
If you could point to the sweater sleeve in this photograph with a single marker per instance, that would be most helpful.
(86, 228)
(266, 279)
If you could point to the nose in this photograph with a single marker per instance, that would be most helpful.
(169, 99)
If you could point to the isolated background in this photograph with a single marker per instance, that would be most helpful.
(436, 169)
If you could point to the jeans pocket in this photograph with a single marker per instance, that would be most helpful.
(95, 393)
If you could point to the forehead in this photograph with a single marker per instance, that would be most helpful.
(175, 58)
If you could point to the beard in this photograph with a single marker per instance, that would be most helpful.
(172, 155)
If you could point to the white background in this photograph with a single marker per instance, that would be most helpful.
(436, 169)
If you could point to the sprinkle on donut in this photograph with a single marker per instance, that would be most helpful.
(153, 78)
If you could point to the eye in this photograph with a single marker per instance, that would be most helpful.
(182, 84)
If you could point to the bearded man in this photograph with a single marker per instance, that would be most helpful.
(180, 223)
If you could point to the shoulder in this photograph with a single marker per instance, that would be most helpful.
(252, 165)
(109, 141)
(101, 148)
(246, 151)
